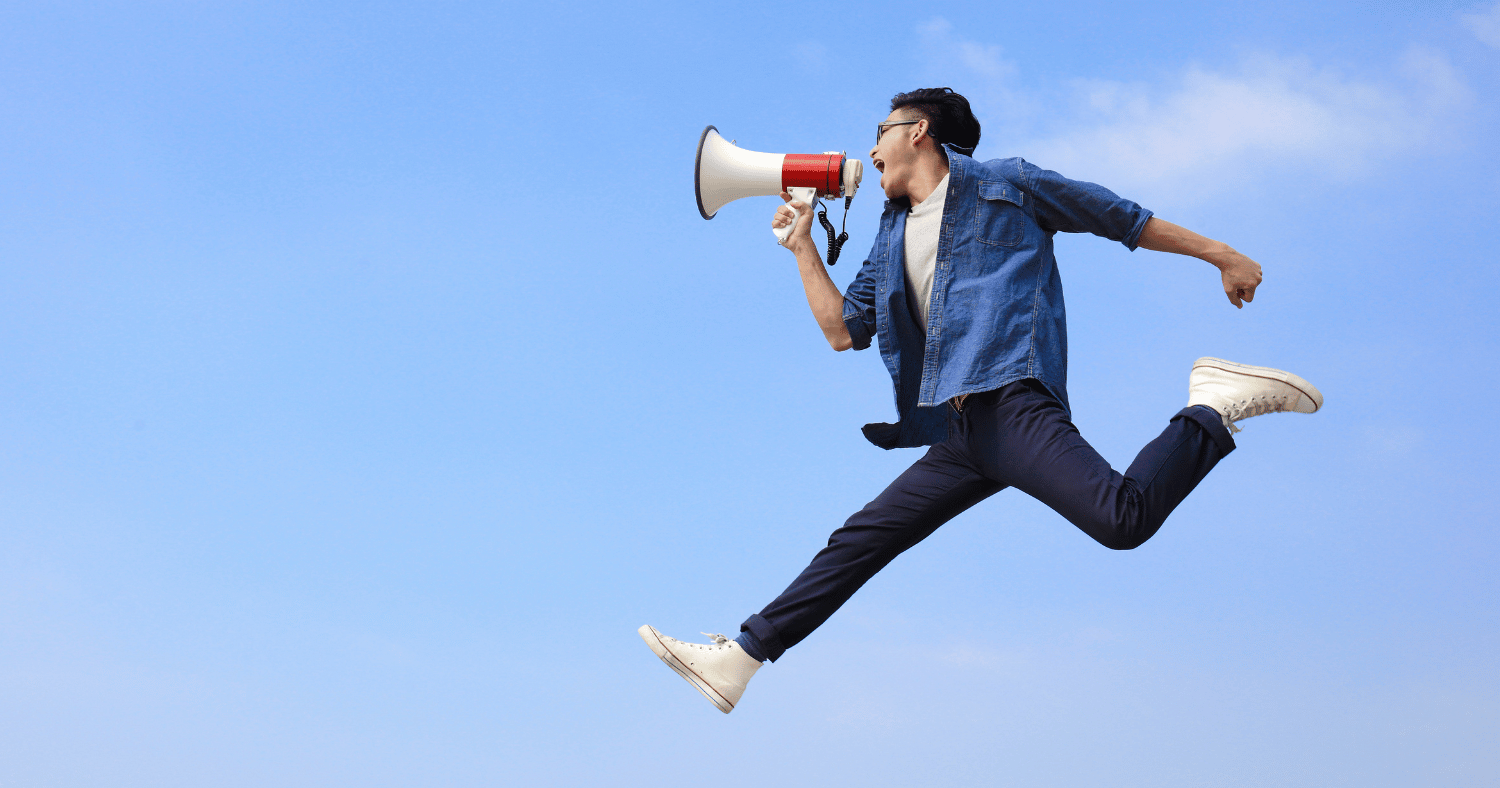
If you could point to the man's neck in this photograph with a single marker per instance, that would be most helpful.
(931, 170)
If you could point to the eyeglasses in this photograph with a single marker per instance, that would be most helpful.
(881, 127)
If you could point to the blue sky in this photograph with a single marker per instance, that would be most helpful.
(369, 376)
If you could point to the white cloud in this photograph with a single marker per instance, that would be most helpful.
(981, 59)
(979, 71)
(1209, 130)
(1271, 114)
(1485, 25)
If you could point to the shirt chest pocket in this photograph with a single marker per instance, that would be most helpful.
(998, 217)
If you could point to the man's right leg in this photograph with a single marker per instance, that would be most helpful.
(931, 492)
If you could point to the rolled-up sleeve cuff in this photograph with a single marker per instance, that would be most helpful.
(854, 320)
(1133, 238)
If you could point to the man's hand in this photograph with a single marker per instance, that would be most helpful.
(1241, 275)
(801, 237)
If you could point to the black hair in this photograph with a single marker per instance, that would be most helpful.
(949, 119)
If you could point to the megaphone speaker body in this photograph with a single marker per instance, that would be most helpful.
(725, 172)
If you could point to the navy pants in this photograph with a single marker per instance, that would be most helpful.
(1016, 436)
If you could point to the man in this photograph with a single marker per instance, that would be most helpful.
(962, 291)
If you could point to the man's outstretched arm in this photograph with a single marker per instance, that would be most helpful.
(1241, 275)
(823, 295)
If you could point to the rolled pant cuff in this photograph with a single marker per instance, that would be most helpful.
(1211, 422)
(766, 635)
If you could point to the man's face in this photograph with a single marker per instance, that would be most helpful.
(896, 150)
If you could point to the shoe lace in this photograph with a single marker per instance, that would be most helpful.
(719, 640)
(1255, 406)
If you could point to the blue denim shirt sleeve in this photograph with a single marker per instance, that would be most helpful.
(859, 304)
(1069, 206)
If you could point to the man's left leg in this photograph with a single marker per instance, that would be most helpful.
(1021, 436)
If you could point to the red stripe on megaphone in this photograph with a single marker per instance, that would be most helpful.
(821, 171)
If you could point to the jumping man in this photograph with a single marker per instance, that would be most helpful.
(962, 291)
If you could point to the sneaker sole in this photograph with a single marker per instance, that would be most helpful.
(653, 639)
(1269, 373)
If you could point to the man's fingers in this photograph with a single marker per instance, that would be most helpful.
(1240, 284)
(784, 215)
(1240, 296)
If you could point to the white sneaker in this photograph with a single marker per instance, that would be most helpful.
(720, 670)
(1239, 391)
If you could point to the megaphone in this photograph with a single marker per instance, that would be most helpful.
(726, 172)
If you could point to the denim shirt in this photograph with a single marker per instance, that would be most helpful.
(996, 314)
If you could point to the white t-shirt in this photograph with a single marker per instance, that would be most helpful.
(923, 224)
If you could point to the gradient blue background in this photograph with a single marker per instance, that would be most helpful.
(367, 377)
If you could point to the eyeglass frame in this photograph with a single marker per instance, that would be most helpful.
(885, 124)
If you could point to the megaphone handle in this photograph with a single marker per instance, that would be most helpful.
(805, 194)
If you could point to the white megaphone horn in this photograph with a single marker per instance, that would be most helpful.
(726, 172)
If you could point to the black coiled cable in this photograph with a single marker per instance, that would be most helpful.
(835, 244)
